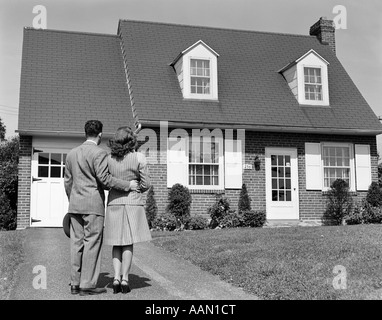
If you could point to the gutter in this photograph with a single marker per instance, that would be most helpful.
(179, 124)
(264, 128)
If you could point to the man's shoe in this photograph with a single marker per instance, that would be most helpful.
(91, 291)
(74, 289)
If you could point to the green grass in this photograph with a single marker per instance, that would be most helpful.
(11, 255)
(287, 263)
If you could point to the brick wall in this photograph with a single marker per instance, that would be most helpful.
(24, 184)
(312, 203)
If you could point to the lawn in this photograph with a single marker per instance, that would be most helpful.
(11, 255)
(288, 263)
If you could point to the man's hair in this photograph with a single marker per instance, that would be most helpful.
(93, 128)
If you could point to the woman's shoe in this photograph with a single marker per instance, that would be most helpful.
(116, 286)
(125, 286)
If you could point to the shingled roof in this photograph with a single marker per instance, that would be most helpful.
(68, 78)
(252, 94)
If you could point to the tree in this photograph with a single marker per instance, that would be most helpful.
(2, 130)
(9, 157)
(244, 200)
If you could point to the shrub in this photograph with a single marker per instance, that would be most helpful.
(197, 223)
(252, 218)
(374, 195)
(231, 220)
(356, 216)
(244, 200)
(8, 218)
(370, 213)
(9, 157)
(180, 200)
(151, 207)
(218, 210)
(166, 222)
(339, 203)
(364, 213)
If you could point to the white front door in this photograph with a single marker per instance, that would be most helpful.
(281, 170)
(49, 203)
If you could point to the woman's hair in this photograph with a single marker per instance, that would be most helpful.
(124, 142)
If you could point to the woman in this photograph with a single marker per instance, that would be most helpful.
(125, 222)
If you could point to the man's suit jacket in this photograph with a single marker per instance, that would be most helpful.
(86, 177)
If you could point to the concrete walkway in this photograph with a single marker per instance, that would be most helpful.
(155, 275)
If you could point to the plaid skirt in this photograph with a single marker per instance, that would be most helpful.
(125, 225)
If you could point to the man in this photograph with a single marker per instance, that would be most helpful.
(86, 176)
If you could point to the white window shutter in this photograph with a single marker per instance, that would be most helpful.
(177, 171)
(363, 166)
(313, 170)
(233, 169)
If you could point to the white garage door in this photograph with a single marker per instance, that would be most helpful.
(49, 203)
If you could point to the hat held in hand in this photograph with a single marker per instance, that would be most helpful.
(66, 225)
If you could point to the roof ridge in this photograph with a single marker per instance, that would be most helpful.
(73, 32)
(216, 28)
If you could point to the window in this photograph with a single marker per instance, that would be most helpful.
(200, 76)
(203, 162)
(51, 165)
(327, 161)
(307, 78)
(336, 164)
(313, 84)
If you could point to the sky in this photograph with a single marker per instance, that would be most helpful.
(358, 43)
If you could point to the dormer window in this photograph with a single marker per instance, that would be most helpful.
(200, 76)
(307, 78)
(196, 69)
(313, 84)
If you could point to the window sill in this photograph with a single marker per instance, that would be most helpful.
(209, 191)
(204, 99)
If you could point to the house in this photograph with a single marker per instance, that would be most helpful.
(217, 108)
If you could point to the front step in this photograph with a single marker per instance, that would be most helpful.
(291, 223)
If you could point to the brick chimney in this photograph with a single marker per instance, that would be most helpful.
(324, 30)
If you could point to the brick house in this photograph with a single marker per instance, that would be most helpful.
(217, 107)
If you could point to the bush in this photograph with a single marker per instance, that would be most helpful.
(151, 207)
(8, 217)
(370, 213)
(231, 220)
(339, 203)
(9, 157)
(180, 200)
(197, 223)
(374, 195)
(166, 222)
(218, 210)
(244, 200)
(364, 213)
(356, 216)
(254, 219)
